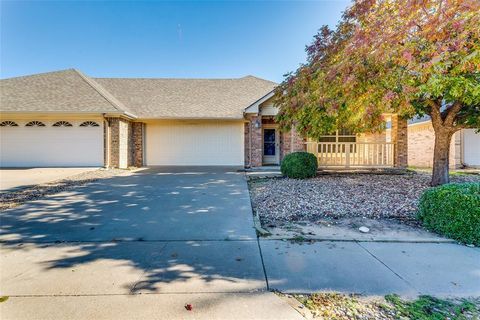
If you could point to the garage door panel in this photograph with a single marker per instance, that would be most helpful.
(194, 143)
(471, 147)
(51, 146)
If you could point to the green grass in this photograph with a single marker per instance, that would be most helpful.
(430, 308)
(337, 306)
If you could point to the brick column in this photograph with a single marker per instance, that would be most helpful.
(137, 143)
(118, 143)
(291, 141)
(298, 142)
(253, 145)
(400, 138)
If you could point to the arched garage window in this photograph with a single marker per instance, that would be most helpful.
(8, 124)
(89, 124)
(35, 124)
(62, 124)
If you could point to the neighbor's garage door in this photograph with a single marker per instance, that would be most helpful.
(194, 143)
(51, 143)
(471, 148)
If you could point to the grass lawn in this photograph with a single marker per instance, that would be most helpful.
(339, 306)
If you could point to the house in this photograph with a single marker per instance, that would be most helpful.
(464, 148)
(66, 118)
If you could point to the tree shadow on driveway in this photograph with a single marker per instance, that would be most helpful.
(159, 230)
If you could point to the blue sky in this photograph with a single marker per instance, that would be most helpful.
(222, 39)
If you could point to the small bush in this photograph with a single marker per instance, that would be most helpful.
(299, 165)
(453, 210)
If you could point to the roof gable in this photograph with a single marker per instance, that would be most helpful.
(59, 91)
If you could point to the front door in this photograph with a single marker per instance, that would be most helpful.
(270, 146)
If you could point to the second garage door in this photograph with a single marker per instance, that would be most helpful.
(194, 143)
(471, 148)
(59, 143)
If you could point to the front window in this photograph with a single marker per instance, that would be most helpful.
(336, 142)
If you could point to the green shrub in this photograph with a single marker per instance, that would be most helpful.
(299, 165)
(453, 210)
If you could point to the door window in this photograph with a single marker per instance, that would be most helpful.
(269, 142)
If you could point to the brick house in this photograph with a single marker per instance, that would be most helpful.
(66, 118)
(464, 147)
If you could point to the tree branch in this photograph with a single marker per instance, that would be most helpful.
(434, 112)
(452, 113)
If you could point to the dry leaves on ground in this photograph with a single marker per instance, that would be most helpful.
(335, 196)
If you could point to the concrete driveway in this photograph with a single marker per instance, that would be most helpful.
(185, 234)
(141, 246)
(178, 203)
(16, 178)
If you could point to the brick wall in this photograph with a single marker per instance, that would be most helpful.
(254, 148)
(253, 144)
(399, 134)
(421, 142)
(124, 143)
(137, 144)
(286, 145)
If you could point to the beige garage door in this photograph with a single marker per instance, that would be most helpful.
(40, 143)
(471, 147)
(194, 143)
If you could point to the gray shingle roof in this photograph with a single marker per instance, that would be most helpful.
(60, 91)
(71, 91)
(188, 98)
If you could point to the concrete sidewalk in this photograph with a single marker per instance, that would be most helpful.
(372, 268)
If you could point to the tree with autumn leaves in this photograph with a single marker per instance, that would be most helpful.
(410, 57)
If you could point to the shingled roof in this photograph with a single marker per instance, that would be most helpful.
(188, 98)
(60, 91)
(71, 91)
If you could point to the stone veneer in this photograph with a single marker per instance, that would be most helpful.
(124, 143)
(138, 129)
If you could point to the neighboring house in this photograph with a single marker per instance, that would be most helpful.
(66, 118)
(464, 148)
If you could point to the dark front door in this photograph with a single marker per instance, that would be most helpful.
(270, 146)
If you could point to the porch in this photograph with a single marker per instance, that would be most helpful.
(341, 150)
(267, 145)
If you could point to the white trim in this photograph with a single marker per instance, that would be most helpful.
(254, 107)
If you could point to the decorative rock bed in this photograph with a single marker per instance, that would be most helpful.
(386, 196)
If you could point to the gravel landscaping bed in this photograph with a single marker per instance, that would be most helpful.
(15, 198)
(375, 196)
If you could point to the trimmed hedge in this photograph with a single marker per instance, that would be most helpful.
(299, 165)
(453, 210)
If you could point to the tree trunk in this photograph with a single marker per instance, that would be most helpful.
(441, 155)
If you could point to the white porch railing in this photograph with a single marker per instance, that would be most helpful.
(352, 154)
